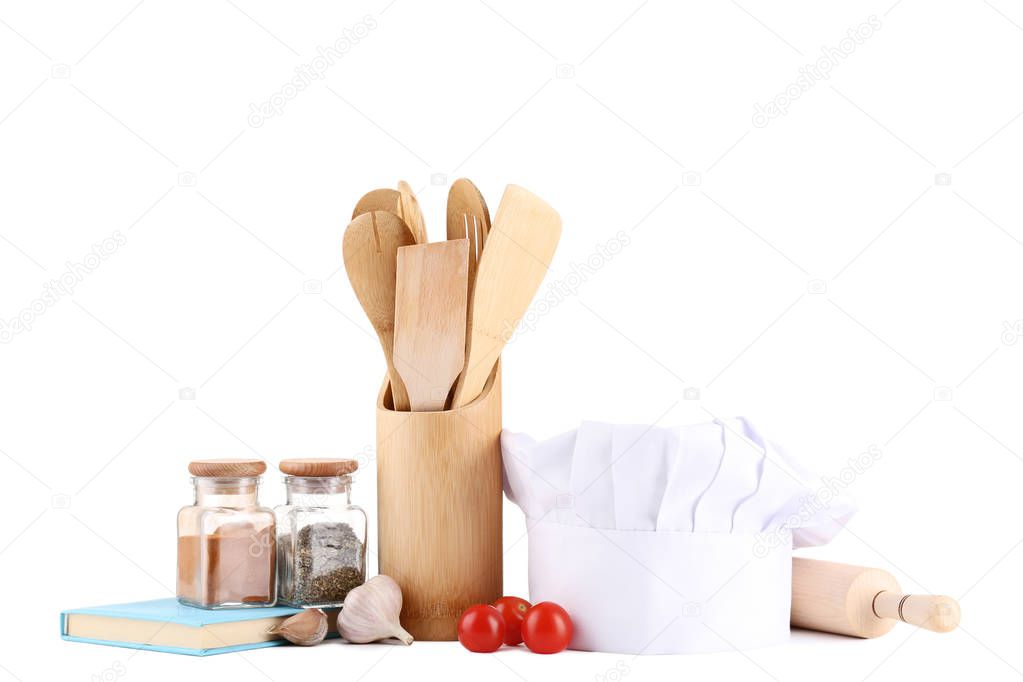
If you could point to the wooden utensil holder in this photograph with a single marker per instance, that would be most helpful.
(439, 497)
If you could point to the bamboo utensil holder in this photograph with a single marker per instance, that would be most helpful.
(439, 497)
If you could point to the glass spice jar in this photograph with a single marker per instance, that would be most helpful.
(226, 541)
(321, 535)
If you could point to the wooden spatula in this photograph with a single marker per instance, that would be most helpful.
(409, 211)
(468, 218)
(370, 250)
(518, 251)
(429, 320)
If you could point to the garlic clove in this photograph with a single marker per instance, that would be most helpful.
(403, 636)
(305, 629)
(370, 612)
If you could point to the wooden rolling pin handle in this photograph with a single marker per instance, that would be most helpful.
(930, 612)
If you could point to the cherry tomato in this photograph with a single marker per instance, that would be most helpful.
(512, 609)
(546, 628)
(481, 629)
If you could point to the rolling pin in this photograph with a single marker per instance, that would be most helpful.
(861, 602)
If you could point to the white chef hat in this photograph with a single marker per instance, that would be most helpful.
(668, 540)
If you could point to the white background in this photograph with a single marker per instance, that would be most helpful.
(814, 273)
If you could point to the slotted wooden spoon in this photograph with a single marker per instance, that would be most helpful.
(429, 320)
(518, 251)
(370, 250)
(401, 202)
(384, 199)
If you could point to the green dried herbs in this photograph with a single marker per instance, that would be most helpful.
(325, 561)
(334, 585)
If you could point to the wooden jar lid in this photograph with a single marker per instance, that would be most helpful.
(226, 468)
(318, 466)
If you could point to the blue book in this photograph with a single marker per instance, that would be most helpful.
(166, 625)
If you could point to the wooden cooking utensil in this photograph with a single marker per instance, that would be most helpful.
(370, 250)
(468, 218)
(518, 251)
(429, 320)
(408, 210)
(384, 199)
(862, 602)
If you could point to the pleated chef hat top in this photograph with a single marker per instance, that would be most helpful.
(687, 507)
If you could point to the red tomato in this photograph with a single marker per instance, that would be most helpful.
(546, 628)
(481, 629)
(512, 609)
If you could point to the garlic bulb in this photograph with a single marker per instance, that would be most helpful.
(371, 612)
(305, 629)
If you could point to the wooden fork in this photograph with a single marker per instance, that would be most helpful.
(468, 218)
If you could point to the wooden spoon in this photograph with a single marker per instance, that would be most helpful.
(370, 250)
(468, 218)
(429, 320)
(384, 199)
(408, 210)
(518, 252)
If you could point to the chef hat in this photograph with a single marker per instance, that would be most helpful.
(667, 540)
